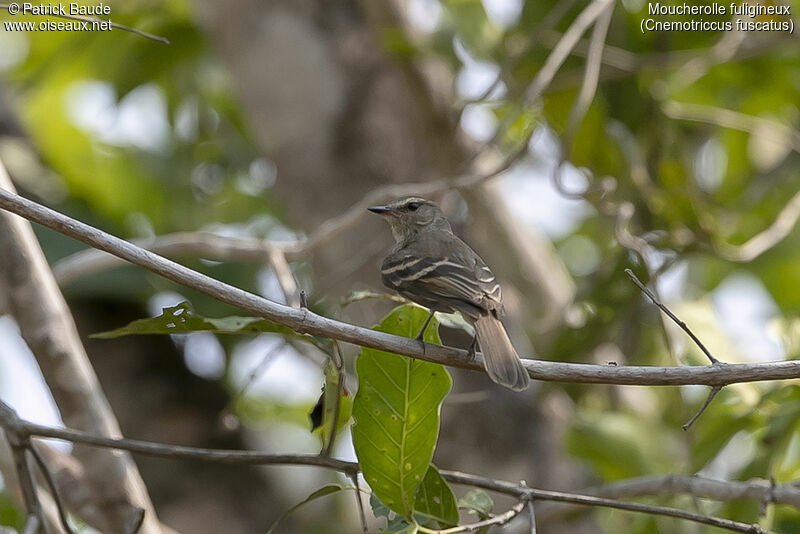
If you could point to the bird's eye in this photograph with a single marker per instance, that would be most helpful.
(413, 206)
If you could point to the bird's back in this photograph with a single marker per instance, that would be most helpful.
(442, 272)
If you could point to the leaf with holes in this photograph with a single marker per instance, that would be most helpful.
(181, 319)
(435, 500)
(477, 501)
(396, 412)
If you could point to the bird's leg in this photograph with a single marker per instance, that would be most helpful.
(472, 348)
(425, 326)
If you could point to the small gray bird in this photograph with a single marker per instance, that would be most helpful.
(436, 269)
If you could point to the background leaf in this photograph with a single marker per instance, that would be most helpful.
(435, 499)
(477, 501)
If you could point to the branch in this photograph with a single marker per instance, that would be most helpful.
(500, 519)
(671, 315)
(759, 490)
(27, 430)
(305, 321)
(91, 20)
(779, 133)
(765, 240)
(562, 50)
(522, 491)
(49, 331)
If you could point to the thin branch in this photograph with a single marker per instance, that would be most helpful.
(584, 98)
(711, 395)
(531, 516)
(763, 241)
(283, 273)
(338, 363)
(501, 519)
(33, 524)
(190, 453)
(196, 244)
(256, 372)
(544, 27)
(776, 131)
(759, 490)
(305, 321)
(19, 447)
(48, 477)
(360, 503)
(591, 75)
(92, 20)
(562, 50)
(671, 315)
(546, 495)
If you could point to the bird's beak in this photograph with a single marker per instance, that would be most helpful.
(382, 210)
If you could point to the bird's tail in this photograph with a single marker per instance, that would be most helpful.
(501, 360)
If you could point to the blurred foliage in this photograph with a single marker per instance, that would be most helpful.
(695, 183)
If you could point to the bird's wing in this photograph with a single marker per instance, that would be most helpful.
(450, 271)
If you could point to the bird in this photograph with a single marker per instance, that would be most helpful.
(433, 267)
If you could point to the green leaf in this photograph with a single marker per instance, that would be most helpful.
(477, 501)
(181, 319)
(378, 508)
(322, 492)
(435, 500)
(396, 412)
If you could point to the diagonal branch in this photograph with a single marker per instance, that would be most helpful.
(304, 321)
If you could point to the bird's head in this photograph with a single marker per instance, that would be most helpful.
(410, 216)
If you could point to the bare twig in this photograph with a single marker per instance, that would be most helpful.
(32, 524)
(584, 98)
(48, 477)
(711, 395)
(531, 516)
(590, 77)
(714, 361)
(283, 273)
(763, 241)
(92, 20)
(19, 440)
(305, 321)
(562, 50)
(758, 490)
(256, 372)
(671, 315)
(518, 490)
(198, 244)
(537, 34)
(500, 519)
(362, 516)
(338, 363)
(779, 133)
